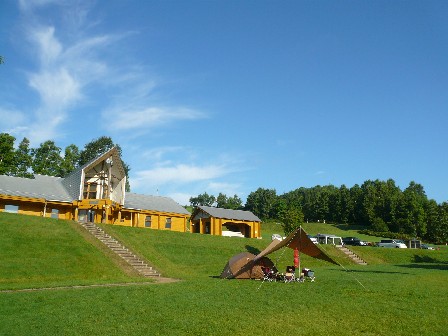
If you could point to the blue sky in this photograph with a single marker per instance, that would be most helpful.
(230, 96)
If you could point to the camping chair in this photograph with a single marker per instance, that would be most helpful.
(269, 274)
(289, 274)
(308, 274)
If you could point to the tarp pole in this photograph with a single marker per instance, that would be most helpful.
(300, 247)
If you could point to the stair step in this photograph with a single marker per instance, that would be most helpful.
(351, 255)
(138, 264)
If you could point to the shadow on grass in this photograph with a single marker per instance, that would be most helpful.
(442, 267)
(428, 259)
(252, 249)
(427, 262)
(367, 271)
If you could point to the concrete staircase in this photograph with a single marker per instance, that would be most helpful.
(351, 255)
(126, 254)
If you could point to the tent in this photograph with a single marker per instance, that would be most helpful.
(243, 266)
(248, 266)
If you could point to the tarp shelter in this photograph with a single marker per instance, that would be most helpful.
(245, 265)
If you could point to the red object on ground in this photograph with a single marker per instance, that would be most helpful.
(296, 258)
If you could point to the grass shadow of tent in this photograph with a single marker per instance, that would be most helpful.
(247, 265)
(252, 249)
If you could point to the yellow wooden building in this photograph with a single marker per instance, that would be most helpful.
(225, 222)
(95, 193)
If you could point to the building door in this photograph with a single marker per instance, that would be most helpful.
(91, 215)
(82, 216)
(247, 230)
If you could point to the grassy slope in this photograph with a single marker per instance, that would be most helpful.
(38, 252)
(403, 291)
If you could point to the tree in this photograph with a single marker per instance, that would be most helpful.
(99, 146)
(291, 219)
(47, 159)
(441, 233)
(221, 200)
(6, 154)
(70, 160)
(410, 212)
(279, 208)
(23, 160)
(261, 202)
(434, 219)
(343, 205)
(356, 205)
(202, 199)
(95, 148)
(235, 203)
(379, 225)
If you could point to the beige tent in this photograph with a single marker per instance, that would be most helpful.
(243, 266)
(248, 266)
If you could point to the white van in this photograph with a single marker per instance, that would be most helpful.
(395, 243)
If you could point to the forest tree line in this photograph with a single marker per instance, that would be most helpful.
(48, 159)
(380, 207)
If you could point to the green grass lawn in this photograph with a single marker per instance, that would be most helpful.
(400, 292)
(37, 252)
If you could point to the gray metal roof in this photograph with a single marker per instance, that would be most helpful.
(229, 214)
(72, 183)
(46, 187)
(156, 203)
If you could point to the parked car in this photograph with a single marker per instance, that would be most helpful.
(394, 243)
(313, 239)
(427, 247)
(354, 241)
(276, 236)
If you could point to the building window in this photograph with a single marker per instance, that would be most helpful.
(11, 208)
(90, 190)
(168, 223)
(55, 213)
(148, 221)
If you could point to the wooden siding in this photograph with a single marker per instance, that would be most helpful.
(103, 211)
(135, 218)
(37, 207)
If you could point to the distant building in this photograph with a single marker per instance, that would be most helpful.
(225, 222)
(94, 192)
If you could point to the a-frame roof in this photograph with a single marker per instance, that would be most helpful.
(228, 213)
(72, 181)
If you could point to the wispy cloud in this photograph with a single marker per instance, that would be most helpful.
(150, 116)
(30, 4)
(229, 189)
(63, 69)
(57, 88)
(178, 174)
(182, 172)
(74, 65)
(159, 153)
